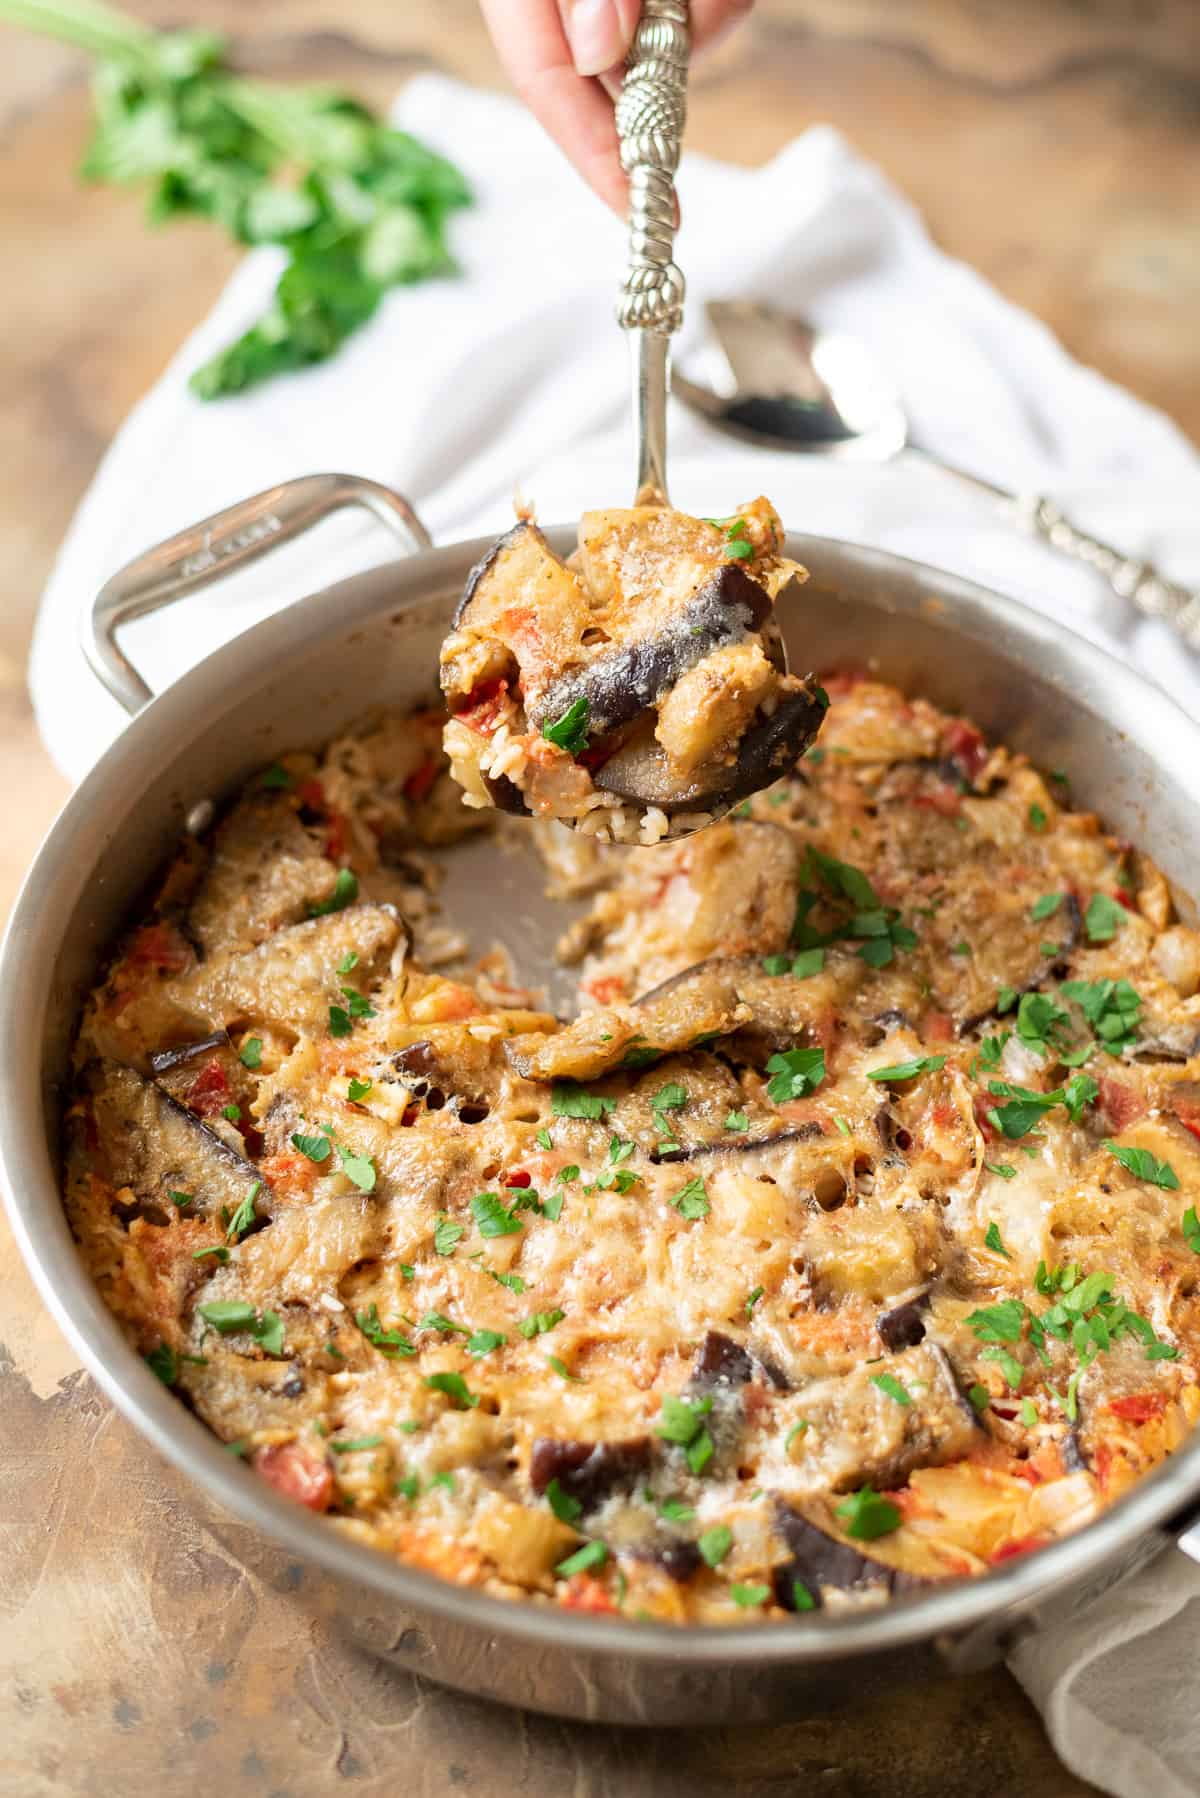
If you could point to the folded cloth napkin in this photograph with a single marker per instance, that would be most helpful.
(515, 377)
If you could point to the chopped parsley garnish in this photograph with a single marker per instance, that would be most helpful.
(570, 732)
(1037, 818)
(447, 1235)
(454, 1387)
(514, 1282)
(180, 1199)
(348, 962)
(843, 1125)
(408, 1487)
(1040, 1021)
(681, 1421)
(276, 778)
(569, 1100)
(802, 1598)
(217, 1252)
(358, 1089)
(552, 1206)
(1006, 998)
(492, 1216)
(1144, 1166)
(566, 1508)
(980, 1397)
(747, 1596)
(993, 1240)
(691, 1201)
(737, 1121)
(543, 1140)
(388, 1342)
(909, 1070)
(795, 1072)
(250, 1053)
(229, 1316)
(1046, 906)
(164, 1362)
(445, 1326)
(1112, 1008)
(1191, 1229)
(565, 1175)
(1103, 918)
(893, 1387)
(1027, 1108)
(482, 1342)
(1007, 1362)
(345, 892)
(1001, 1169)
(715, 1544)
(339, 1021)
(675, 1511)
(753, 1300)
(231, 1113)
(808, 963)
(539, 1322)
(358, 1169)
(998, 1323)
(797, 1430)
(850, 882)
(671, 1097)
(357, 1004)
(351, 1445)
(1029, 1413)
(243, 1216)
(592, 1554)
(559, 1366)
(866, 1515)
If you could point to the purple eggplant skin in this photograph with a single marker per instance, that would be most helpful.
(678, 1558)
(417, 1059)
(588, 1471)
(1071, 927)
(166, 1059)
(485, 563)
(818, 1560)
(506, 795)
(743, 1145)
(1072, 1451)
(636, 675)
(726, 1363)
(904, 1326)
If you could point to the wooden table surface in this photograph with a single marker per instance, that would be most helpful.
(1052, 143)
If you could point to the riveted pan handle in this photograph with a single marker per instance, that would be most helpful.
(214, 548)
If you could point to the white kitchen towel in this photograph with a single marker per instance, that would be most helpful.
(514, 376)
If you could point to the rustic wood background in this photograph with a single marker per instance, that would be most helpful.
(1052, 143)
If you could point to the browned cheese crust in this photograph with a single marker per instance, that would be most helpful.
(845, 1242)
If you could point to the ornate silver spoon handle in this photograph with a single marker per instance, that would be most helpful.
(650, 119)
(1138, 582)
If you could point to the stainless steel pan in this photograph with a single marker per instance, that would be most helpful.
(296, 679)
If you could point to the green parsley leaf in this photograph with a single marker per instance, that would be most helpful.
(1191, 1229)
(777, 964)
(908, 1070)
(227, 1316)
(388, 1342)
(231, 1113)
(802, 1598)
(1001, 1169)
(795, 1072)
(562, 1370)
(482, 1342)
(316, 1148)
(1103, 918)
(998, 1323)
(454, 1387)
(217, 1252)
(993, 1241)
(747, 1596)
(348, 962)
(408, 1487)
(268, 1332)
(276, 778)
(1144, 1166)
(715, 1544)
(243, 1217)
(980, 1397)
(691, 1201)
(357, 1004)
(351, 1445)
(592, 1554)
(737, 1121)
(843, 1125)
(250, 1053)
(681, 1420)
(358, 1169)
(1046, 906)
(1008, 1364)
(671, 1097)
(675, 1511)
(358, 1090)
(808, 963)
(552, 1206)
(339, 1021)
(539, 1322)
(164, 1362)
(894, 1388)
(699, 1452)
(1039, 1021)
(570, 732)
(514, 1282)
(492, 1216)
(180, 1199)
(1112, 1008)
(543, 1140)
(445, 1326)
(1037, 818)
(753, 1300)
(1006, 998)
(841, 878)
(566, 1508)
(866, 1515)
(1029, 1413)
(345, 892)
(797, 1429)
(569, 1100)
(447, 1235)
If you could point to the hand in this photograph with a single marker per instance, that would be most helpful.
(564, 59)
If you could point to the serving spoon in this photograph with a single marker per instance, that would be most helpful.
(786, 384)
(650, 116)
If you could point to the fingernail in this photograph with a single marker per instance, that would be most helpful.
(595, 36)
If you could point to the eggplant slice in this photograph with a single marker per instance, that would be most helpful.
(645, 673)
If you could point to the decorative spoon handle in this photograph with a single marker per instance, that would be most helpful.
(650, 119)
(1134, 580)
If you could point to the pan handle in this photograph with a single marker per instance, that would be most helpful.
(210, 550)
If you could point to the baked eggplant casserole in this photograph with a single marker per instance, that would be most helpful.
(846, 1241)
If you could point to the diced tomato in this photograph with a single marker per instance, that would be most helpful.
(210, 1091)
(1021, 1545)
(604, 988)
(289, 1175)
(312, 794)
(595, 757)
(1187, 1111)
(335, 840)
(1119, 1103)
(938, 1026)
(417, 786)
(941, 798)
(450, 1005)
(1128, 900)
(944, 1114)
(984, 1104)
(584, 1593)
(297, 1473)
(1138, 1407)
(483, 706)
(158, 946)
(518, 1177)
(966, 745)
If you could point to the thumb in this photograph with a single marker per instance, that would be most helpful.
(599, 32)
